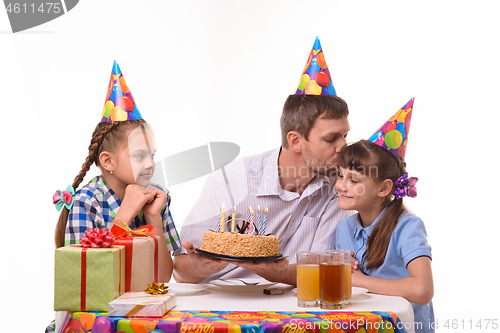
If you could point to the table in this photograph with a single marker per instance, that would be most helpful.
(218, 302)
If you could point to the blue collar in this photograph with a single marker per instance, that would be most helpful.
(359, 231)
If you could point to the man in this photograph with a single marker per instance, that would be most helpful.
(296, 182)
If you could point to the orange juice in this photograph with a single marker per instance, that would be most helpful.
(348, 283)
(308, 282)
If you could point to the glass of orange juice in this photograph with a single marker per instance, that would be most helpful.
(308, 278)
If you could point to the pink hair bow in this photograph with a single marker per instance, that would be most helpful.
(64, 198)
(405, 186)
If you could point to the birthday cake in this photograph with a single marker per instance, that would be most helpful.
(240, 244)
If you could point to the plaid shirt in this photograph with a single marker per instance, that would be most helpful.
(95, 206)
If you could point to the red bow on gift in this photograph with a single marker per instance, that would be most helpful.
(96, 238)
(121, 229)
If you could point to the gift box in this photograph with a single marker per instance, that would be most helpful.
(87, 279)
(141, 261)
(141, 254)
(141, 304)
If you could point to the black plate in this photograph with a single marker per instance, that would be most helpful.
(233, 258)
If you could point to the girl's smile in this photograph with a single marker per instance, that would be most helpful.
(359, 192)
(344, 196)
(147, 175)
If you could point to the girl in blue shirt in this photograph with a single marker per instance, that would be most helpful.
(389, 243)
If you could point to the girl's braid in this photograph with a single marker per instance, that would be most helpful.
(98, 137)
(95, 144)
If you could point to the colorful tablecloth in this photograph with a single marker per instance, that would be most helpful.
(239, 322)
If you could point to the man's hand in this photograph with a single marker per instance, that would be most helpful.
(279, 271)
(194, 268)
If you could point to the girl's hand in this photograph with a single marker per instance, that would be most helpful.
(152, 209)
(357, 278)
(133, 201)
(417, 288)
(354, 262)
(154, 206)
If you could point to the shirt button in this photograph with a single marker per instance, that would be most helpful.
(293, 224)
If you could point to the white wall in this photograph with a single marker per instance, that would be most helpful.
(220, 71)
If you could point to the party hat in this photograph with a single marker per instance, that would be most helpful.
(120, 104)
(316, 79)
(393, 135)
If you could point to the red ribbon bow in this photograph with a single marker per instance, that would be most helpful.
(120, 230)
(96, 238)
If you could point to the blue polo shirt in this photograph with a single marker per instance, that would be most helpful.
(408, 241)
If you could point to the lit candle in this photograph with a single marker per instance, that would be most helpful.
(251, 222)
(259, 225)
(222, 216)
(233, 219)
(265, 221)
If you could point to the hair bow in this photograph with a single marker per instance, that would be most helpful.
(405, 186)
(64, 198)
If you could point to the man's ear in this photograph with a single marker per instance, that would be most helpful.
(385, 188)
(294, 139)
(106, 161)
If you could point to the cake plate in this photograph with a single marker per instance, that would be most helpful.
(234, 258)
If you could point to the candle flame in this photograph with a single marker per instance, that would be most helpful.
(258, 208)
(267, 209)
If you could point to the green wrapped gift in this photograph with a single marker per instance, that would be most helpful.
(87, 279)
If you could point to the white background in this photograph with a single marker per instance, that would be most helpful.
(205, 71)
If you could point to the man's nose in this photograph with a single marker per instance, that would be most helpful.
(341, 145)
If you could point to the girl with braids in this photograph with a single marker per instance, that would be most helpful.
(389, 243)
(123, 148)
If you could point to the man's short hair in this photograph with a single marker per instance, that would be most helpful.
(301, 111)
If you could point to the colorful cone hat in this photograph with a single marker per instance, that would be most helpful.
(120, 104)
(393, 135)
(316, 79)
